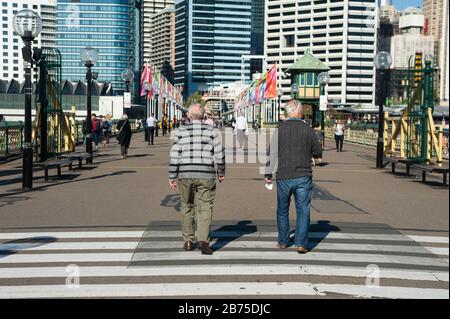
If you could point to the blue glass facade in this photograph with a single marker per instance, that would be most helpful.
(106, 25)
(210, 39)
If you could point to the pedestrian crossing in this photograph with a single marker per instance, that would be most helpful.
(353, 262)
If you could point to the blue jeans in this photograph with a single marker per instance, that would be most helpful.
(302, 190)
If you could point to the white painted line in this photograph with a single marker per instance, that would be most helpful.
(430, 239)
(222, 270)
(220, 255)
(94, 234)
(218, 289)
(441, 251)
(24, 247)
(66, 258)
(177, 234)
(291, 255)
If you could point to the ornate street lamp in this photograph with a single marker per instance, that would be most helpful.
(28, 25)
(323, 79)
(89, 57)
(128, 77)
(382, 62)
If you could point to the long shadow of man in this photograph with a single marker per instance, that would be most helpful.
(227, 234)
(321, 231)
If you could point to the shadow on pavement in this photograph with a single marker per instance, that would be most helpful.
(236, 231)
(324, 228)
(12, 247)
(173, 201)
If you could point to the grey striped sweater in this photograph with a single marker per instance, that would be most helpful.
(196, 152)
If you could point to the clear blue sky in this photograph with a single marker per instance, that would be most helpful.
(402, 4)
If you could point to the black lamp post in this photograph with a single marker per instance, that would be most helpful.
(323, 79)
(382, 61)
(27, 24)
(89, 56)
(279, 94)
(127, 77)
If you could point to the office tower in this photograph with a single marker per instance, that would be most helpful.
(107, 26)
(11, 61)
(211, 38)
(162, 38)
(342, 34)
(149, 8)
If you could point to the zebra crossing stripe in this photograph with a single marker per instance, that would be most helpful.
(254, 256)
(131, 245)
(219, 289)
(222, 270)
(176, 234)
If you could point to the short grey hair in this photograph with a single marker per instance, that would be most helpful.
(196, 111)
(124, 117)
(292, 106)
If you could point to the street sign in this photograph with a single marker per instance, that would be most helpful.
(323, 103)
(127, 100)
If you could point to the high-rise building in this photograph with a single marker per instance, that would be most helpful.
(210, 39)
(11, 61)
(107, 26)
(148, 9)
(443, 57)
(404, 46)
(342, 34)
(410, 39)
(434, 12)
(162, 38)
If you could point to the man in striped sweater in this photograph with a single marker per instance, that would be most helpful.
(197, 158)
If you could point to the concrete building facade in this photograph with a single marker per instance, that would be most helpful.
(148, 9)
(162, 38)
(341, 33)
(11, 61)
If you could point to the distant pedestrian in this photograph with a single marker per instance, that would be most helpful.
(241, 130)
(84, 130)
(339, 131)
(96, 130)
(124, 135)
(291, 149)
(196, 175)
(106, 130)
(151, 123)
(164, 125)
(320, 137)
(138, 124)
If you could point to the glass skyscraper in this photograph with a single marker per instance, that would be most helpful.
(210, 39)
(106, 25)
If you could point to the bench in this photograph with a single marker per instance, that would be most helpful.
(79, 157)
(394, 161)
(55, 163)
(432, 169)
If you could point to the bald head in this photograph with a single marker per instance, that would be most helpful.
(294, 108)
(196, 112)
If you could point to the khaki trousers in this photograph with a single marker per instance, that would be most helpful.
(197, 194)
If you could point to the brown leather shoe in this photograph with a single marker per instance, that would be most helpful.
(302, 250)
(282, 246)
(204, 247)
(189, 246)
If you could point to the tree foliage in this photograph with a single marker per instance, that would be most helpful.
(194, 98)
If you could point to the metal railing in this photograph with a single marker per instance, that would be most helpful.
(12, 136)
(367, 134)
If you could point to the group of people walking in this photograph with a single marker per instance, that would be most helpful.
(197, 160)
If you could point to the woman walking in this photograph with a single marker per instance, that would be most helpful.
(124, 136)
(339, 130)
